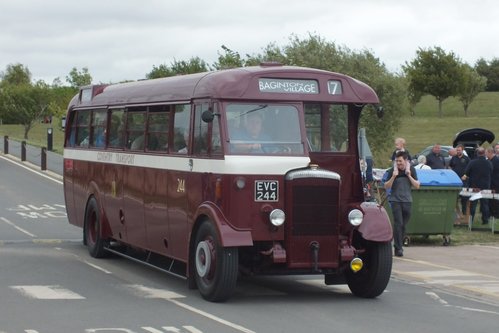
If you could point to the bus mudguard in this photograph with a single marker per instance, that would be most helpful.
(229, 236)
(376, 225)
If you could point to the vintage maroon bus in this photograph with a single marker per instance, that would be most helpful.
(243, 171)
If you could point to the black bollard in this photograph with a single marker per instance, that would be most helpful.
(23, 151)
(6, 144)
(49, 138)
(44, 159)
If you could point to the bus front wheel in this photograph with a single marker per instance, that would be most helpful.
(215, 267)
(373, 278)
(92, 231)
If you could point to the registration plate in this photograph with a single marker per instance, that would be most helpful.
(266, 190)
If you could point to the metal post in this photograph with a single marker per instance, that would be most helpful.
(23, 151)
(44, 159)
(49, 138)
(6, 144)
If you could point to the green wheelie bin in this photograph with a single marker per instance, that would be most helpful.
(433, 204)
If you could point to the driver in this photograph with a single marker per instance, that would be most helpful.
(252, 134)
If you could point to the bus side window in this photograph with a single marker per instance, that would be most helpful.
(313, 126)
(181, 121)
(157, 132)
(136, 130)
(200, 130)
(117, 129)
(71, 129)
(216, 140)
(338, 127)
(82, 128)
(98, 129)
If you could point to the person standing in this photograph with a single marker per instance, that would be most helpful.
(478, 174)
(458, 164)
(435, 160)
(401, 178)
(493, 157)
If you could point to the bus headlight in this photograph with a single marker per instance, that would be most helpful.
(277, 217)
(355, 217)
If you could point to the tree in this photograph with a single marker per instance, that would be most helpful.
(193, 65)
(490, 70)
(229, 59)
(413, 97)
(26, 103)
(436, 73)
(271, 53)
(16, 75)
(159, 71)
(471, 85)
(77, 79)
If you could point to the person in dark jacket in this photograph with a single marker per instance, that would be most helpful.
(458, 164)
(435, 160)
(494, 182)
(478, 174)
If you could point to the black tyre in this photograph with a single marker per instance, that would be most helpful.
(373, 278)
(215, 267)
(92, 230)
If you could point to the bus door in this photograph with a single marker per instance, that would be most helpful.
(156, 180)
(133, 177)
(113, 174)
(180, 181)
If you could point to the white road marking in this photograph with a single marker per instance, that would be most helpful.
(443, 273)
(18, 228)
(146, 292)
(47, 292)
(170, 296)
(31, 170)
(97, 267)
(436, 298)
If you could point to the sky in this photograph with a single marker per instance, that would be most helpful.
(121, 40)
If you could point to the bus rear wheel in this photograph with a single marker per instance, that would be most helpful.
(215, 267)
(92, 231)
(373, 278)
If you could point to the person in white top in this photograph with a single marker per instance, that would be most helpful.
(422, 163)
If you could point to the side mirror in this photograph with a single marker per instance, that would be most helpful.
(207, 116)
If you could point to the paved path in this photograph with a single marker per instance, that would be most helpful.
(471, 270)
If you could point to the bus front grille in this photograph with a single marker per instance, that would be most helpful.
(315, 208)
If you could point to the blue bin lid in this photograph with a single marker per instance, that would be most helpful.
(438, 177)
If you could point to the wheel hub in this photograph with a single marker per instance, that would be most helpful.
(203, 259)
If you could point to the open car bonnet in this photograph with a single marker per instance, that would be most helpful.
(473, 138)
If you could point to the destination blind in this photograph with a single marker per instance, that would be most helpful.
(288, 86)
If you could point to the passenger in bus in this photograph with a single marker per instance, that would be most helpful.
(138, 143)
(185, 135)
(100, 137)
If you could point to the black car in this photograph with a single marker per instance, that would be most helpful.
(473, 138)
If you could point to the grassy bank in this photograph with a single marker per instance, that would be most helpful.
(426, 128)
(37, 136)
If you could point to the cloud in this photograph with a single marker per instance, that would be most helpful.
(123, 40)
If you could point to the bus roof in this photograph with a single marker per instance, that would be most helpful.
(238, 83)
